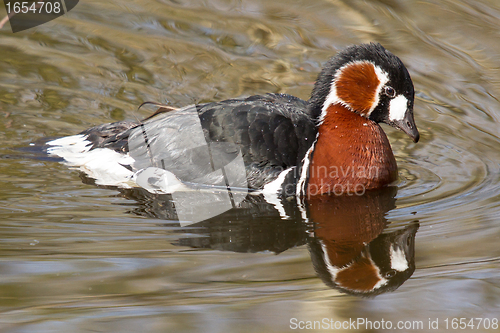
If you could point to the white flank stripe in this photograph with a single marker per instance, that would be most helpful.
(300, 191)
(305, 170)
(272, 190)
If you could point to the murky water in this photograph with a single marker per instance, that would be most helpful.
(75, 257)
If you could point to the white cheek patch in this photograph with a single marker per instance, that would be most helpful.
(398, 260)
(397, 108)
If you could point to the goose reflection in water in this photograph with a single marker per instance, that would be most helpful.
(353, 249)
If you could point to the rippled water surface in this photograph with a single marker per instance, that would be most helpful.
(75, 257)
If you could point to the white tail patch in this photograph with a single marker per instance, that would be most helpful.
(104, 165)
(69, 145)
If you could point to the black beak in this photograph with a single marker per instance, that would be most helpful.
(407, 125)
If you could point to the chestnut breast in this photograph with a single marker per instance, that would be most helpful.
(352, 155)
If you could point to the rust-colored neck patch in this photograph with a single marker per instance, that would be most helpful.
(357, 85)
(361, 276)
(352, 155)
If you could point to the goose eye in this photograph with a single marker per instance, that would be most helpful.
(390, 274)
(389, 91)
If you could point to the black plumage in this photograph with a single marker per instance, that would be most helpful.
(273, 132)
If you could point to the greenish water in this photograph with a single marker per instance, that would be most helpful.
(77, 258)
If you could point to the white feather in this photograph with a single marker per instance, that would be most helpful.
(397, 108)
(272, 190)
(398, 260)
(104, 165)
